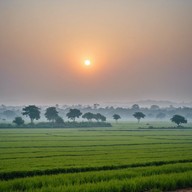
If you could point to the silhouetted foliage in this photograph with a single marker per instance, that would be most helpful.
(152, 113)
(59, 120)
(116, 117)
(103, 118)
(18, 121)
(51, 114)
(138, 116)
(99, 117)
(89, 116)
(178, 119)
(135, 107)
(96, 117)
(154, 107)
(32, 111)
(74, 113)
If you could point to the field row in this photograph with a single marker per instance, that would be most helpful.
(165, 177)
(118, 159)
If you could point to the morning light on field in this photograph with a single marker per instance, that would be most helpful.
(95, 96)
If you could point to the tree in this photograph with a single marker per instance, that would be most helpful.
(116, 117)
(59, 120)
(32, 112)
(139, 115)
(155, 107)
(89, 116)
(51, 114)
(103, 118)
(135, 107)
(178, 119)
(74, 113)
(18, 121)
(99, 117)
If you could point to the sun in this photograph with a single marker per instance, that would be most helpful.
(87, 62)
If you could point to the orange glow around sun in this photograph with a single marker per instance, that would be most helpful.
(87, 62)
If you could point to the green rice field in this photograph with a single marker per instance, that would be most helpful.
(126, 157)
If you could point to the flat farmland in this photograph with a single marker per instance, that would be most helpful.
(122, 158)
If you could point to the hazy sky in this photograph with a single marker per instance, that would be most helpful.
(139, 49)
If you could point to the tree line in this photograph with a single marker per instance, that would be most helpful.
(153, 112)
(52, 115)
